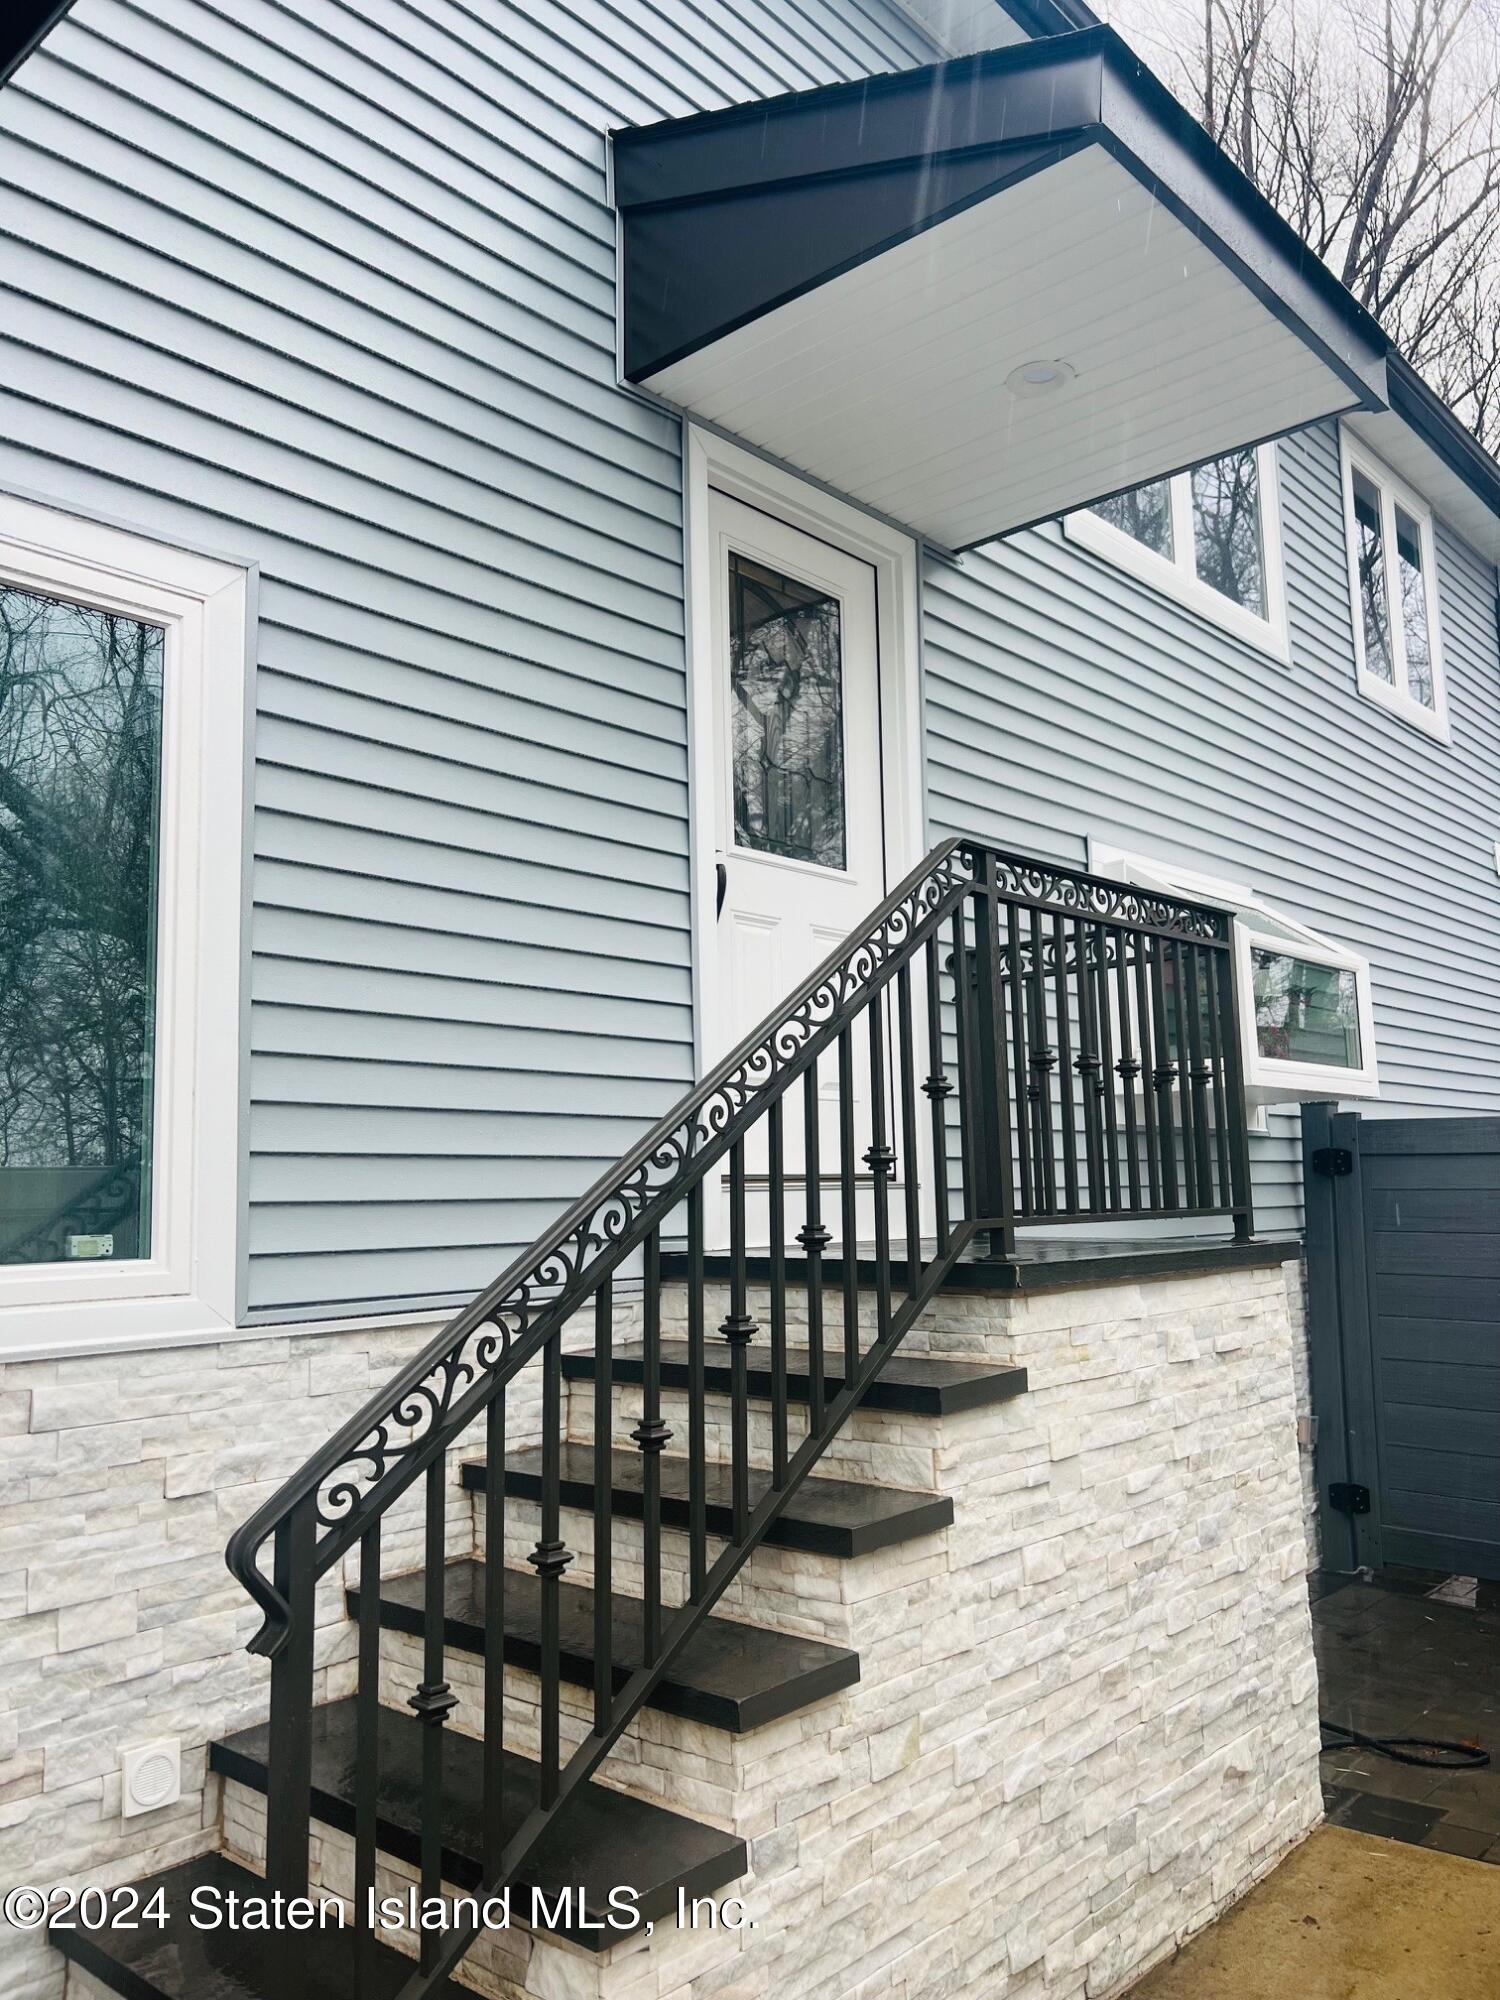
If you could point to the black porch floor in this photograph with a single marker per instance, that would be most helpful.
(1393, 1660)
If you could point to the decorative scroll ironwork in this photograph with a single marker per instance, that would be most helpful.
(1042, 886)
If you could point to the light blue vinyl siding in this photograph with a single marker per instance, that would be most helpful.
(330, 288)
(1065, 698)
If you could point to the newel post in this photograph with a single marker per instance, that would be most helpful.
(289, 1753)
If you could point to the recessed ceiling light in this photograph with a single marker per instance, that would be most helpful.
(1039, 378)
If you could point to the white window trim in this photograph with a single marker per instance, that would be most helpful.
(1259, 925)
(1176, 577)
(187, 1285)
(1393, 492)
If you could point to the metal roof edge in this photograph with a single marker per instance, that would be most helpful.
(1423, 410)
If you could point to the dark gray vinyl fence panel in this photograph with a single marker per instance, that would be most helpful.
(1404, 1298)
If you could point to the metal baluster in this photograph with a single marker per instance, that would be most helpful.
(1200, 1071)
(494, 1636)
(697, 1403)
(937, 1089)
(1128, 1068)
(1020, 1062)
(994, 1068)
(1087, 1061)
(549, 1559)
(963, 1041)
(1150, 1105)
(434, 1700)
(849, 1204)
(814, 1239)
(1181, 1052)
(1065, 1064)
(650, 1438)
(1216, 1063)
(911, 1183)
(366, 1760)
(1043, 1062)
(1161, 1078)
(738, 1329)
(1106, 1084)
(777, 1176)
(880, 1160)
(604, 1525)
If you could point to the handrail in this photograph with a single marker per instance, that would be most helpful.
(419, 1398)
(1092, 1028)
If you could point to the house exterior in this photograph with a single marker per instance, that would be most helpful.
(431, 435)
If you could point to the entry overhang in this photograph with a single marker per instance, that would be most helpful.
(846, 277)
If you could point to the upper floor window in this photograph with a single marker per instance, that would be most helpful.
(1393, 583)
(1210, 537)
(122, 732)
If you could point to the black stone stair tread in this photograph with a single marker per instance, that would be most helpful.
(926, 1385)
(837, 1517)
(602, 1839)
(179, 1961)
(735, 1677)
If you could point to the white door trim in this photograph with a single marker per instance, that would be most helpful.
(711, 460)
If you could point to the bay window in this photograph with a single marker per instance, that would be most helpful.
(1307, 1029)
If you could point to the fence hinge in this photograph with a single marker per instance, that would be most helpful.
(1348, 1499)
(1332, 1160)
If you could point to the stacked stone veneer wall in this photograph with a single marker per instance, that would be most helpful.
(1086, 1718)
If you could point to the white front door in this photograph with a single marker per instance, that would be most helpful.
(800, 827)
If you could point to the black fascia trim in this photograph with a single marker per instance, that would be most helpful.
(841, 128)
(27, 22)
(1034, 162)
(1425, 413)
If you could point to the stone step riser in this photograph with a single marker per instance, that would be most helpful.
(689, 1767)
(884, 1448)
(792, 1590)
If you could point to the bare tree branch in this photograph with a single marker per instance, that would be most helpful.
(1375, 130)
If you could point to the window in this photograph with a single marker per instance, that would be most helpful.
(1393, 583)
(1305, 1012)
(80, 775)
(787, 688)
(1306, 1016)
(122, 685)
(1210, 537)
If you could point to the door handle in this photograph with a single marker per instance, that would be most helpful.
(721, 878)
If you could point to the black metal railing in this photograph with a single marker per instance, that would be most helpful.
(1080, 1043)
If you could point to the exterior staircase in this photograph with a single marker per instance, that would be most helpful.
(562, 1613)
(632, 1828)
